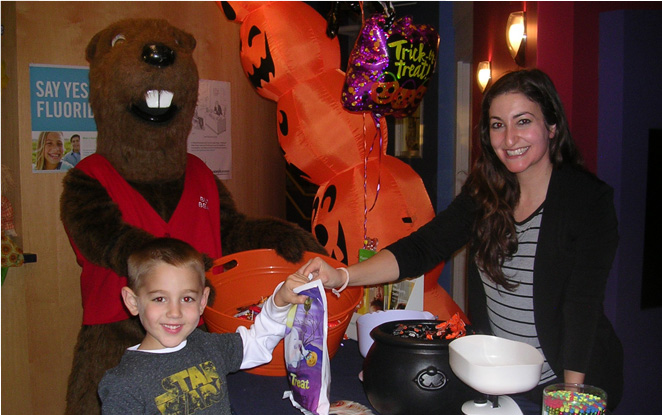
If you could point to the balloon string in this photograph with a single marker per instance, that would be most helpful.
(365, 183)
(378, 137)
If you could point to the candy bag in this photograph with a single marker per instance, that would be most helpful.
(306, 354)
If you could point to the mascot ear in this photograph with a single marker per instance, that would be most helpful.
(92, 47)
(185, 40)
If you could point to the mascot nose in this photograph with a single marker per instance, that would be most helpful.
(158, 55)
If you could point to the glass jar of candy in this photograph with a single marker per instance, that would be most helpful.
(573, 399)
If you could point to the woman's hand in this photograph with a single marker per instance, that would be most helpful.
(320, 270)
(570, 376)
(382, 268)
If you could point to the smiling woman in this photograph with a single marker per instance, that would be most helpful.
(520, 138)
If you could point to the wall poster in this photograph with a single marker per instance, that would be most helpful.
(210, 137)
(63, 127)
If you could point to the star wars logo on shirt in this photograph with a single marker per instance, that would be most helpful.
(189, 390)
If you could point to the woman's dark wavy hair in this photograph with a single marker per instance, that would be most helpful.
(494, 188)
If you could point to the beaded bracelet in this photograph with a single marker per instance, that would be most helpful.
(338, 291)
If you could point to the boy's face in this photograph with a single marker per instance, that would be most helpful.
(169, 304)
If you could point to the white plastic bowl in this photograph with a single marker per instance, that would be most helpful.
(495, 366)
(369, 321)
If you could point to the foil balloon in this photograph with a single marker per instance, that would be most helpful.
(390, 66)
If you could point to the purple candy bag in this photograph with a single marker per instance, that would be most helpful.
(306, 353)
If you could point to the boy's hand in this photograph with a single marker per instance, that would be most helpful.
(285, 294)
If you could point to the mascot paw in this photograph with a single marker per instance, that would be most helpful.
(288, 240)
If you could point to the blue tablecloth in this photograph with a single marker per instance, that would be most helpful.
(256, 395)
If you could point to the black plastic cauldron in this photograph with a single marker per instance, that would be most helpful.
(410, 376)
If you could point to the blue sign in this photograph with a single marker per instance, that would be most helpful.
(59, 98)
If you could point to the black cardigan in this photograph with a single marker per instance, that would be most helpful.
(576, 247)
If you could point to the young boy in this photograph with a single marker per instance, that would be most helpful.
(179, 369)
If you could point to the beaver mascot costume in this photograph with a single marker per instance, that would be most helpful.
(141, 184)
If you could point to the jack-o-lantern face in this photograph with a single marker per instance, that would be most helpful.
(277, 54)
(323, 206)
(402, 98)
(256, 57)
(311, 359)
(382, 92)
(402, 206)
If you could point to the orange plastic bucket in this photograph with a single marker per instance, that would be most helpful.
(255, 274)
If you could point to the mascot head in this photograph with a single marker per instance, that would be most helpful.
(143, 91)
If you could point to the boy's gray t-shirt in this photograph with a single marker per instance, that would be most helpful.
(187, 381)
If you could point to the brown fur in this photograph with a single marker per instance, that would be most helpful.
(99, 348)
(152, 158)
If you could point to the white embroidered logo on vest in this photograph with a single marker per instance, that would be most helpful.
(203, 203)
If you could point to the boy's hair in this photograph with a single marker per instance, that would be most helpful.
(171, 251)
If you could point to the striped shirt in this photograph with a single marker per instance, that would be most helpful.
(511, 312)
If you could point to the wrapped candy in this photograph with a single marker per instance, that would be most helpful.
(450, 329)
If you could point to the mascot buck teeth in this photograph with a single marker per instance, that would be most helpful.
(141, 184)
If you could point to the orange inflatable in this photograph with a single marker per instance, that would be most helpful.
(288, 58)
(317, 135)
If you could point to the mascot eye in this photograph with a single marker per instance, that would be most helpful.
(117, 39)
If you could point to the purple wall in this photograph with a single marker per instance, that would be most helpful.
(629, 106)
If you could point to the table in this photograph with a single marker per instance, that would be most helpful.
(256, 395)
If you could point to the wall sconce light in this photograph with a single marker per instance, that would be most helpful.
(516, 36)
(484, 74)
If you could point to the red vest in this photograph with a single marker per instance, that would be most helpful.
(196, 220)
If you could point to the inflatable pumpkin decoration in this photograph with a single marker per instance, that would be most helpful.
(363, 193)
